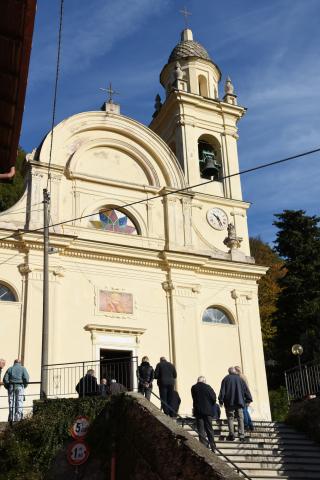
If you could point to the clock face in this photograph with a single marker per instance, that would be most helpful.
(217, 218)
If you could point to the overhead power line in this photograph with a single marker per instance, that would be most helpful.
(179, 190)
(54, 107)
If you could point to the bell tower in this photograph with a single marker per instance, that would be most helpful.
(198, 126)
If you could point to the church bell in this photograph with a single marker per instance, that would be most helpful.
(210, 167)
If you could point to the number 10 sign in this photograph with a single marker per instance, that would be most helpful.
(78, 453)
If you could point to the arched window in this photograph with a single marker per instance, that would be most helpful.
(203, 86)
(215, 315)
(116, 221)
(6, 295)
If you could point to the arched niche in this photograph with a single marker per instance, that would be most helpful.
(210, 159)
(203, 86)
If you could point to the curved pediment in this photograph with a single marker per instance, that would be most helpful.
(96, 146)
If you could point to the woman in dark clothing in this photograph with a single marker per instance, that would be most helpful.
(145, 375)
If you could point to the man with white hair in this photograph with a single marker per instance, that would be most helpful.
(204, 400)
(234, 395)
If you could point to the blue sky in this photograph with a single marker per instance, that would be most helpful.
(270, 50)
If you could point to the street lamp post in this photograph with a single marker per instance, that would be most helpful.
(297, 350)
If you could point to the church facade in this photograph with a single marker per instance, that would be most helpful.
(142, 261)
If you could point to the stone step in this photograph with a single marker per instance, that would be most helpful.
(262, 474)
(275, 466)
(270, 459)
(308, 456)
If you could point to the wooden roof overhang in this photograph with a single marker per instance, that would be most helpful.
(16, 31)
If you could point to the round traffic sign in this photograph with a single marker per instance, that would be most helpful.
(80, 427)
(78, 453)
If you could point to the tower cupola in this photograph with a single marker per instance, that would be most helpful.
(199, 74)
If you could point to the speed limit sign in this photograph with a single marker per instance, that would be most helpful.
(80, 427)
(78, 453)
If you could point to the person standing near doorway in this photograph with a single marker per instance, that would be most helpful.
(204, 400)
(15, 380)
(165, 374)
(145, 375)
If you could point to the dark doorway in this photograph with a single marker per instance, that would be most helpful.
(117, 364)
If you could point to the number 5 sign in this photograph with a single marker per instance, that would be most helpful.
(80, 428)
(78, 453)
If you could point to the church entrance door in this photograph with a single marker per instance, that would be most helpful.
(117, 364)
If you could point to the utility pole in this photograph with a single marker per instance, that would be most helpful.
(45, 309)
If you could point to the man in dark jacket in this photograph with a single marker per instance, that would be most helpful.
(145, 375)
(166, 374)
(116, 387)
(88, 385)
(234, 395)
(204, 399)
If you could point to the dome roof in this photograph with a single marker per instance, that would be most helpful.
(188, 47)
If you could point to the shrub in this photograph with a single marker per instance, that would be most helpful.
(28, 448)
(279, 404)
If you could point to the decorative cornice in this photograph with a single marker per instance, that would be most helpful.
(115, 330)
(72, 247)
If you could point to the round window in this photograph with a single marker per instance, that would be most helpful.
(6, 295)
(215, 315)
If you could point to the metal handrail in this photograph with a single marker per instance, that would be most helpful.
(184, 421)
(90, 361)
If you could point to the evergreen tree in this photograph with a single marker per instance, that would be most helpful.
(298, 315)
(11, 192)
(268, 290)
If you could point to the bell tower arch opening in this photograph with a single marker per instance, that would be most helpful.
(210, 161)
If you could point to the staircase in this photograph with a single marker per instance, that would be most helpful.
(272, 451)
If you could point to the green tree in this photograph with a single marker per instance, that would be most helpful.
(298, 307)
(268, 290)
(11, 192)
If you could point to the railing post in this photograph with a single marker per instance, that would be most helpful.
(307, 380)
(287, 386)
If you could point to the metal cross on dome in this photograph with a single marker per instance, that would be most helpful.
(186, 14)
(110, 92)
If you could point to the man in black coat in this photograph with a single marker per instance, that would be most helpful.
(166, 374)
(88, 385)
(204, 399)
(145, 377)
(234, 395)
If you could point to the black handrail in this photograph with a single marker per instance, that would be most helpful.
(90, 361)
(184, 421)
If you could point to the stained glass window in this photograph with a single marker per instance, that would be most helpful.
(215, 315)
(115, 221)
(6, 295)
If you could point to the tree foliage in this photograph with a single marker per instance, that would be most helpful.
(298, 307)
(269, 289)
(11, 192)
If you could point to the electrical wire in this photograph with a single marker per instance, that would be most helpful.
(188, 188)
(55, 92)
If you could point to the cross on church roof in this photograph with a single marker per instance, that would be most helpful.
(110, 92)
(186, 14)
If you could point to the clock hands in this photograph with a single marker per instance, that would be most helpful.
(218, 219)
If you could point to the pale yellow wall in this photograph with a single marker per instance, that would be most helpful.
(178, 266)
